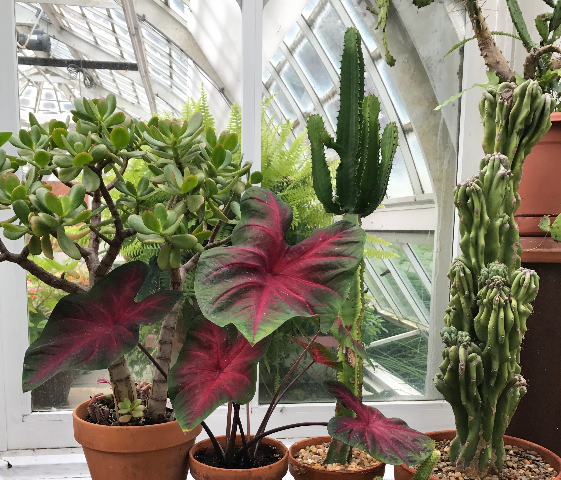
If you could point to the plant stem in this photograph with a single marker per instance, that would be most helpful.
(255, 439)
(217, 448)
(228, 422)
(230, 447)
(152, 359)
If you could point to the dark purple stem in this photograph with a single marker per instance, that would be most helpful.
(274, 405)
(255, 439)
(217, 448)
(152, 359)
(284, 380)
(230, 447)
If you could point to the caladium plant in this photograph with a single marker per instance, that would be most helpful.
(211, 371)
(89, 331)
(260, 282)
(389, 440)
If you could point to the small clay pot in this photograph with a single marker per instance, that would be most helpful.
(305, 472)
(134, 453)
(275, 471)
(403, 472)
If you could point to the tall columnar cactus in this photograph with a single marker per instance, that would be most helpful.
(362, 178)
(491, 293)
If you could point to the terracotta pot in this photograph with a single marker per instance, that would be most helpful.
(275, 471)
(305, 472)
(539, 191)
(133, 453)
(402, 472)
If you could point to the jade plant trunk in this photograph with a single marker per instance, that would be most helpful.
(362, 178)
(491, 293)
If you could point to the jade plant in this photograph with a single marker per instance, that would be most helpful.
(365, 163)
(191, 189)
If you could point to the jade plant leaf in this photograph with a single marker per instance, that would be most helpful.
(89, 331)
(211, 371)
(389, 440)
(260, 282)
(321, 354)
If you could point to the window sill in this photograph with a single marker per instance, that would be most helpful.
(65, 464)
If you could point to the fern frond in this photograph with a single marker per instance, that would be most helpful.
(371, 252)
(374, 240)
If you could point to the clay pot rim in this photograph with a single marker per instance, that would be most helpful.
(266, 440)
(122, 435)
(325, 439)
(507, 438)
(556, 116)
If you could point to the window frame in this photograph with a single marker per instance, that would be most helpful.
(20, 428)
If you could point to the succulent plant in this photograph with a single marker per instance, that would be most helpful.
(491, 293)
(366, 159)
(130, 410)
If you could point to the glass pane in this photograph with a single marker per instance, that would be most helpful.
(388, 281)
(294, 84)
(282, 102)
(313, 67)
(399, 184)
(330, 32)
(408, 274)
(425, 254)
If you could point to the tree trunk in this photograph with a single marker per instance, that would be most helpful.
(122, 382)
(159, 393)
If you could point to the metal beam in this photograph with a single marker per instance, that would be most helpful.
(139, 51)
(400, 336)
(64, 62)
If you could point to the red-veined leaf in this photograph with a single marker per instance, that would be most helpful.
(389, 440)
(211, 371)
(321, 354)
(345, 339)
(260, 282)
(89, 331)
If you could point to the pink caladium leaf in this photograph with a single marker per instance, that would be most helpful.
(321, 354)
(89, 331)
(345, 339)
(211, 371)
(260, 282)
(389, 440)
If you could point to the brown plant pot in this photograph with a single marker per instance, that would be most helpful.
(539, 191)
(402, 472)
(305, 472)
(275, 471)
(133, 453)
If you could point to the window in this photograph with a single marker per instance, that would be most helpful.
(403, 310)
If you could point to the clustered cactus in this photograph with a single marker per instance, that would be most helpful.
(366, 160)
(491, 293)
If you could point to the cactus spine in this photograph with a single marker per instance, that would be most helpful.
(491, 294)
(361, 180)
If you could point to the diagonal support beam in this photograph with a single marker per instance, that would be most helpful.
(137, 41)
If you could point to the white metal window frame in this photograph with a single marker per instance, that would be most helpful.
(20, 428)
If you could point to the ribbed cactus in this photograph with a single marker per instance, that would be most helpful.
(491, 293)
(365, 157)
(361, 181)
